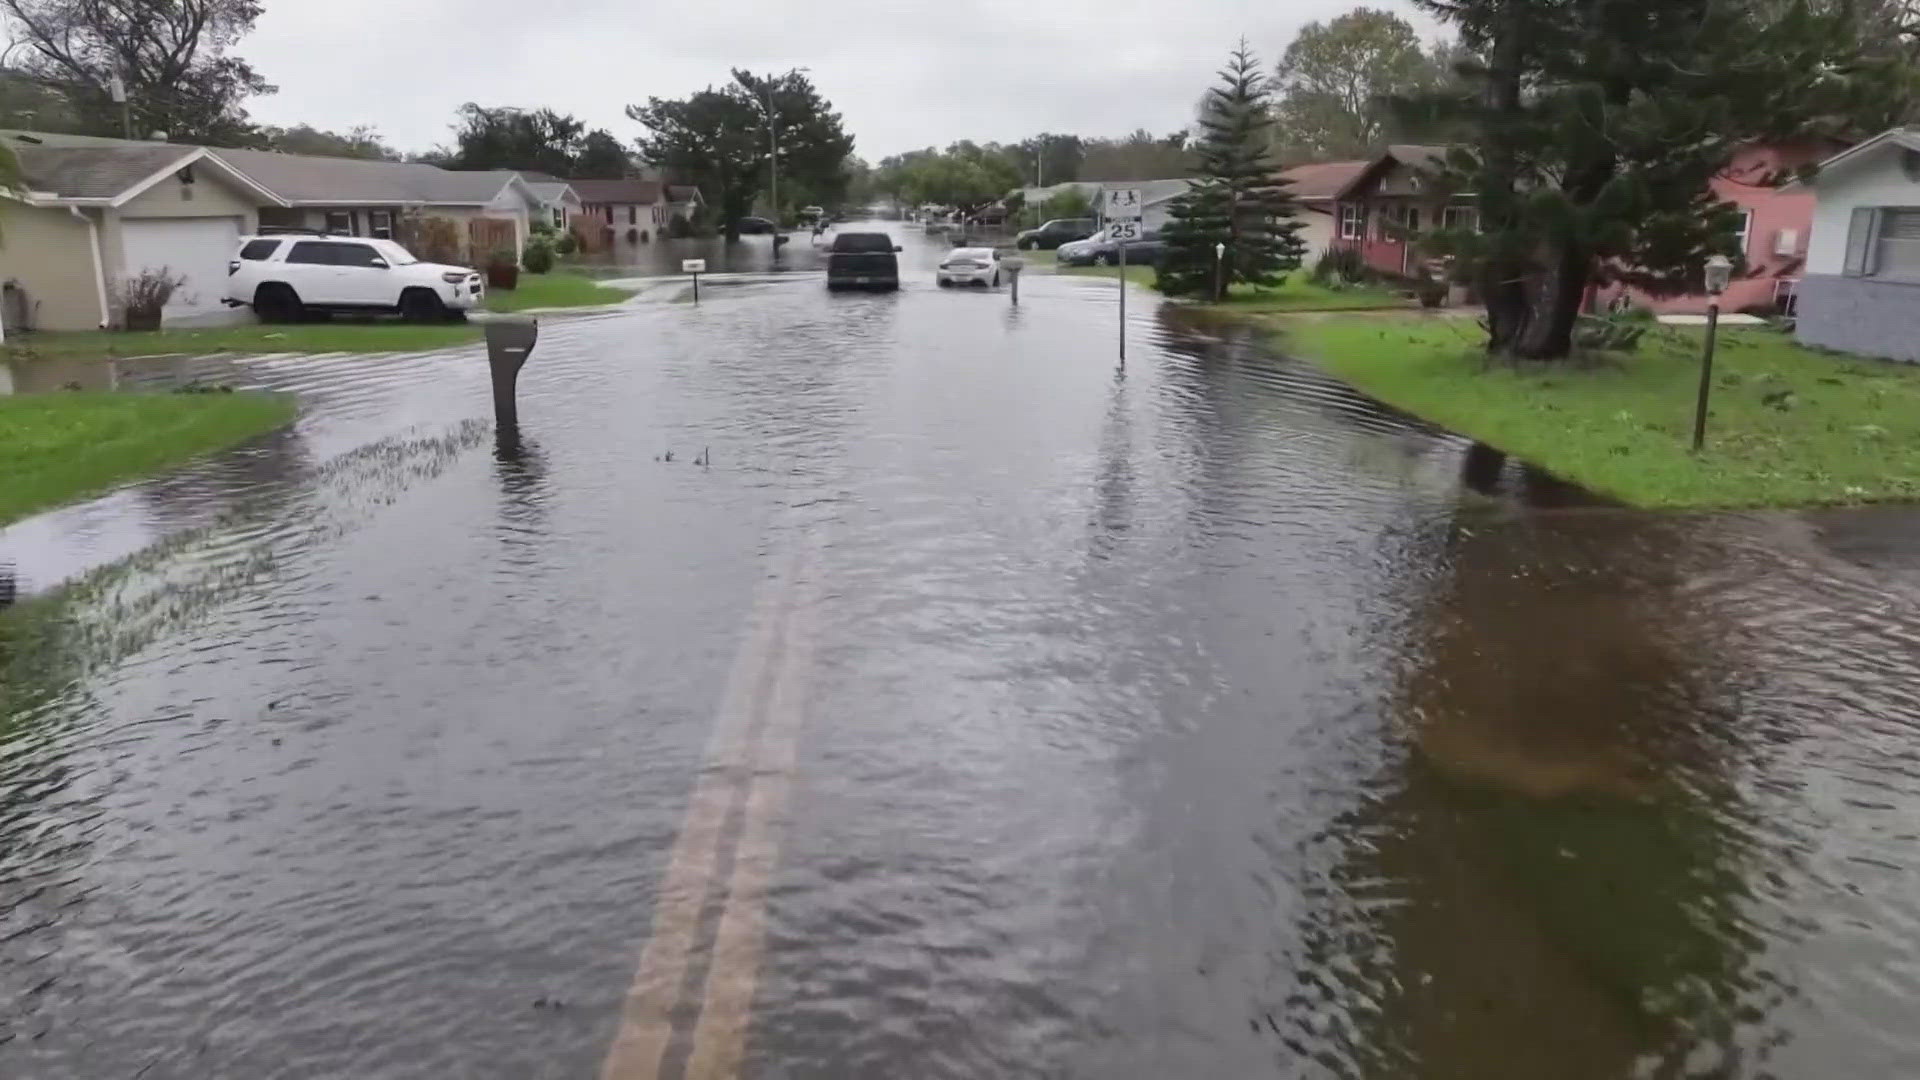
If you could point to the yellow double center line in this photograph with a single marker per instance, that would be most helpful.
(748, 768)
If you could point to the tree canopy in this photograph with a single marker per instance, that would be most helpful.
(1597, 125)
(362, 141)
(536, 140)
(1336, 83)
(173, 56)
(1238, 211)
(719, 139)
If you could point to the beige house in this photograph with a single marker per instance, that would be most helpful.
(96, 211)
(92, 216)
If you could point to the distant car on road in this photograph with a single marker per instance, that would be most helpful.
(1098, 250)
(756, 226)
(970, 266)
(863, 260)
(1054, 233)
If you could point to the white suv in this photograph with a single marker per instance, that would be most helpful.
(283, 276)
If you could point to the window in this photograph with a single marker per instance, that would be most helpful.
(1743, 236)
(1411, 219)
(355, 255)
(312, 253)
(259, 250)
(340, 221)
(1460, 217)
(633, 215)
(380, 224)
(1884, 241)
(1353, 221)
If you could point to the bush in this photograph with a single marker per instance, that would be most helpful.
(142, 296)
(1341, 264)
(541, 227)
(1619, 332)
(566, 243)
(538, 258)
(1431, 290)
(678, 227)
(430, 239)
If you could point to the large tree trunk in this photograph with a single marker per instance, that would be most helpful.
(1501, 272)
(1554, 292)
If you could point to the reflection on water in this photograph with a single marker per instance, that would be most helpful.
(1201, 718)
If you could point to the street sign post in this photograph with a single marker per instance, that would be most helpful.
(1122, 209)
(696, 267)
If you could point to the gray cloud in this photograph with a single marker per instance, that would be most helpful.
(903, 75)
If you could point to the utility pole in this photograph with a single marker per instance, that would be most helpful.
(117, 88)
(773, 162)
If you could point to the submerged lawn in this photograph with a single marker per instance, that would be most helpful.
(1298, 293)
(1788, 426)
(61, 446)
(554, 290)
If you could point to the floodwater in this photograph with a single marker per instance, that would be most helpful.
(979, 709)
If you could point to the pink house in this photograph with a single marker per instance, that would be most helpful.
(1773, 233)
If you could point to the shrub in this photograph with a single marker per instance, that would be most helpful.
(566, 243)
(430, 239)
(1431, 290)
(1343, 264)
(678, 227)
(538, 258)
(1620, 332)
(541, 227)
(142, 296)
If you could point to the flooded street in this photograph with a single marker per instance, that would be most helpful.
(981, 709)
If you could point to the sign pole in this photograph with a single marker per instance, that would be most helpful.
(1123, 303)
(695, 267)
(1123, 210)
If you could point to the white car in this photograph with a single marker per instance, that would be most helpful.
(970, 266)
(283, 276)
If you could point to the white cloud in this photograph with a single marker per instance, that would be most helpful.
(902, 75)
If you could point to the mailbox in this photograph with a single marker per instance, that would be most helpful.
(510, 340)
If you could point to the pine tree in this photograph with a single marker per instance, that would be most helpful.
(1596, 126)
(1239, 200)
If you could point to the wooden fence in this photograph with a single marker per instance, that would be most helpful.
(486, 236)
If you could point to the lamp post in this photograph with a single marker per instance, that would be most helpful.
(773, 153)
(1719, 273)
(1219, 269)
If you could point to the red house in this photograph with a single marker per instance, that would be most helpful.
(1385, 205)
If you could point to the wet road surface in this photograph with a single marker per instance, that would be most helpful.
(980, 710)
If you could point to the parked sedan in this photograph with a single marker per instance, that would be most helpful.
(970, 266)
(1098, 250)
(756, 226)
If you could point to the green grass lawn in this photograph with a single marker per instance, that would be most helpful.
(1789, 426)
(554, 290)
(61, 446)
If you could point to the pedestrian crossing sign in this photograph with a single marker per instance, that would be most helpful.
(1122, 204)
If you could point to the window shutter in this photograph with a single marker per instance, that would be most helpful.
(1862, 236)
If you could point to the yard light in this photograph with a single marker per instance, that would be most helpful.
(1719, 275)
(1219, 272)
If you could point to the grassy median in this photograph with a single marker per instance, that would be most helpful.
(60, 447)
(327, 337)
(1789, 426)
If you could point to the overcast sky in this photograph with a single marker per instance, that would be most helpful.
(980, 69)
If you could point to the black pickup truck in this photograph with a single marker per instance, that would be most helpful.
(863, 260)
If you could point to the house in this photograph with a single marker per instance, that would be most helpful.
(1860, 289)
(1315, 189)
(684, 200)
(357, 197)
(1775, 229)
(1383, 207)
(93, 215)
(559, 203)
(629, 208)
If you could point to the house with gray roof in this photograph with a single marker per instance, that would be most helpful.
(94, 214)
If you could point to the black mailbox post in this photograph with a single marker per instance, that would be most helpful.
(510, 341)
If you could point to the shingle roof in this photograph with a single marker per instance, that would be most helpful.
(547, 190)
(640, 192)
(1322, 180)
(95, 172)
(302, 178)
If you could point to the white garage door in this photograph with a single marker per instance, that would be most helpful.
(197, 249)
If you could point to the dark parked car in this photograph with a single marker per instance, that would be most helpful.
(863, 260)
(1100, 251)
(756, 226)
(1054, 233)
